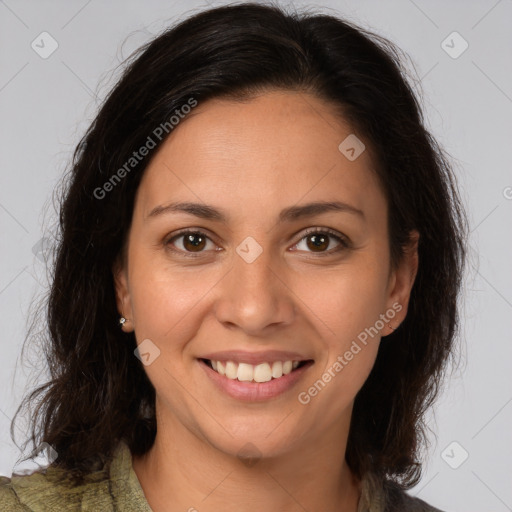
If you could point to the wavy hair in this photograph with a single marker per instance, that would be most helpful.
(98, 392)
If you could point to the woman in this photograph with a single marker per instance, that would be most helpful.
(255, 289)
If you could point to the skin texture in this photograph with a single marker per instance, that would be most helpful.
(252, 160)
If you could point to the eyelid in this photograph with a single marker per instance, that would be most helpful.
(332, 232)
(198, 231)
(343, 240)
(192, 230)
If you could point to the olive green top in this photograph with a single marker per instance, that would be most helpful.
(116, 488)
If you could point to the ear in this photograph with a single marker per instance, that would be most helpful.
(401, 282)
(123, 300)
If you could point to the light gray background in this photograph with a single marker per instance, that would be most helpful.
(46, 104)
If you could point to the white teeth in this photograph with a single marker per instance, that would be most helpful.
(262, 372)
(245, 372)
(231, 370)
(277, 369)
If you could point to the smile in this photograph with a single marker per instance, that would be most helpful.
(245, 372)
(254, 383)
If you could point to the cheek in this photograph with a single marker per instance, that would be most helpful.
(164, 302)
(344, 300)
(347, 304)
(350, 351)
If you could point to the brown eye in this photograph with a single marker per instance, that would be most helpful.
(192, 243)
(318, 242)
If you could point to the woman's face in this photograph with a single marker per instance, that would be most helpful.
(254, 289)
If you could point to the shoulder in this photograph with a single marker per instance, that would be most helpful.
(399, 500)
(8, 498)
(51, 490)
(380, 495)
(115, 487)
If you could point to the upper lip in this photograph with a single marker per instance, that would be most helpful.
(242, 356)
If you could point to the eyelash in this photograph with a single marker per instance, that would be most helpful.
(343, 241)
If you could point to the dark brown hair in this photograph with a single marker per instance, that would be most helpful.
(98, 392)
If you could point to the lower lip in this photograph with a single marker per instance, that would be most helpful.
(255, 391)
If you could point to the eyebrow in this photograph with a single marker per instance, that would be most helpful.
(289, 214)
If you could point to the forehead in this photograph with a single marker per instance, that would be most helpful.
(276, 147)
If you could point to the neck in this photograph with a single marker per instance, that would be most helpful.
(183, 472)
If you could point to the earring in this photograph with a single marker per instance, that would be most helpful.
(122, 321)
(393, 328)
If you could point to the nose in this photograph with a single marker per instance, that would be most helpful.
(255, 296)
